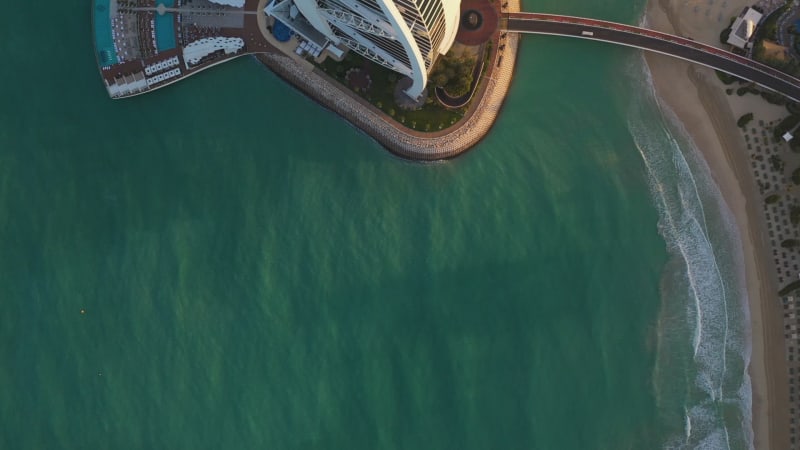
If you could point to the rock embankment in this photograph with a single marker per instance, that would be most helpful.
(402, 141)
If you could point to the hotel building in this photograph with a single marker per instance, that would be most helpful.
(405, 36)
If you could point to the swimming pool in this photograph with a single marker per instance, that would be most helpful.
(165, 32)
(104, 40)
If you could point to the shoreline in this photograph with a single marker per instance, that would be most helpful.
(694, 95)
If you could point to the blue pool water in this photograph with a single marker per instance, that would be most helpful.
(165, 32)
(281, 32)
(104, 41)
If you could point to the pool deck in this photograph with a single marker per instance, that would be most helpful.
(139, 41)
(140, 68)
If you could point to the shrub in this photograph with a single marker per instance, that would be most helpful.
(724, 35)
(776, 162)
(794, 145)
(454, 73)
(789, 288)
(773, 97)
(794, 214)
(726, 78)
(787, 124)
(796, 176)
(790, 243)
(744, 120)
(772, 199)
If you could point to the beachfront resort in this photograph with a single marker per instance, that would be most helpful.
(146, 44)
(371, 62)
(425, 79)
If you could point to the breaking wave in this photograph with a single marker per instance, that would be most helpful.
(700, 381)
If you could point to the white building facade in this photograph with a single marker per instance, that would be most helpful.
(406, 36)
(744, 27)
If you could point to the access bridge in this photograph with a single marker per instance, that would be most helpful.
(642, 38)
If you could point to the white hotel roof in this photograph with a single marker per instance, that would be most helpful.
(196, 50)
(743, 27)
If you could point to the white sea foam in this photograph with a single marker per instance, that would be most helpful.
(688, 427)
(714, 311)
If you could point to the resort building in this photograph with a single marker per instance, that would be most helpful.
(743, 28)
(406, 36)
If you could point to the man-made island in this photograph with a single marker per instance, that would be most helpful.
(426, 80)
(368, 61)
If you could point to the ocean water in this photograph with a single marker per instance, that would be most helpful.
(224, 264)
(706, 268)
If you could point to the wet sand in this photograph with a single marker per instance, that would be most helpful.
(698, 99)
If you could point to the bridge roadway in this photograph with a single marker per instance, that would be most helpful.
(668, 44)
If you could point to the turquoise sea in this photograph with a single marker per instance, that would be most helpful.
(256, 274)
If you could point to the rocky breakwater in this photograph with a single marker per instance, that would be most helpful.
(402, 141)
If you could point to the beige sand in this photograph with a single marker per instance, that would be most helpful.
(709, 115)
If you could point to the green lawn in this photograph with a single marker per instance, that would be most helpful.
(431, 117)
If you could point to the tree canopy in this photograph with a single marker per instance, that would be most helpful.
(453, 72)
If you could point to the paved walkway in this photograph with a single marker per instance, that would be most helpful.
(488, 26)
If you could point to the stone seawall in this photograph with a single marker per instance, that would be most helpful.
(402, 141)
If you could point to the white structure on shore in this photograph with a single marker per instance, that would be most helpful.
(195, 51)
(406, 36)
(743, 27)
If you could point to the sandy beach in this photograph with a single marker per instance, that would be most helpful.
(698, 99)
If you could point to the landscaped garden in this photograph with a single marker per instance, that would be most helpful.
(376, 84)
